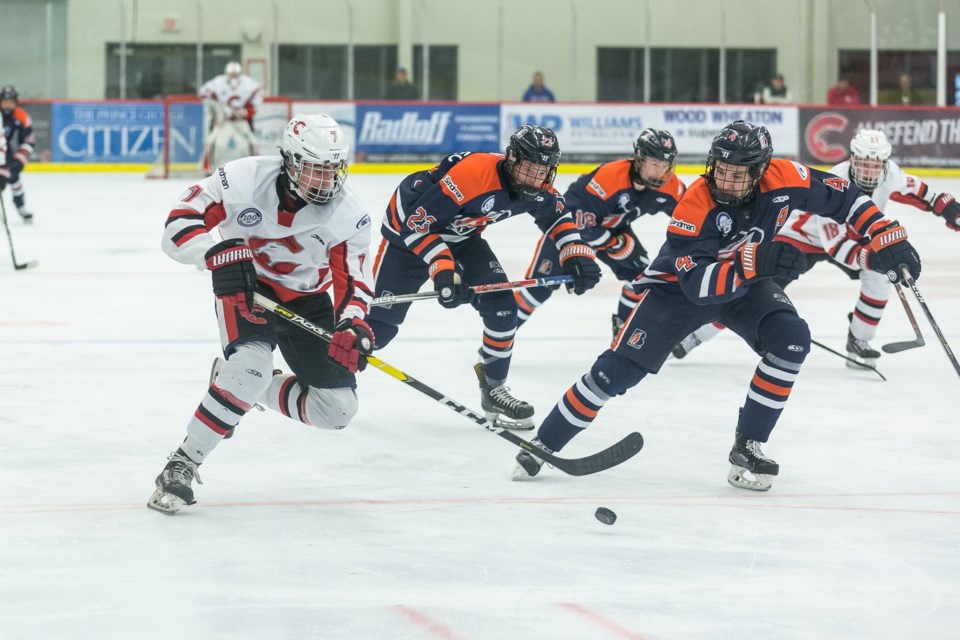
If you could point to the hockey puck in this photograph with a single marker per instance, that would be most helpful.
(606, 516)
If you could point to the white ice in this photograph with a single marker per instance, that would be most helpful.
(406, 524)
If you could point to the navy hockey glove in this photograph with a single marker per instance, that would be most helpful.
(352, 340)
(580, 262)
(769, 260)
(626, 249)
(449, 285)
(234, 276)
(892, 251)
(947, 207)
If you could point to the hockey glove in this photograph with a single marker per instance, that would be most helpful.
(769, 260)
(892, 251)
(626, 249)
(580, 262)
(234, 276)
(450, 288)
(352, 341)
(947, 207)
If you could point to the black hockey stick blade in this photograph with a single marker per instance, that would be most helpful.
(897, 347)
(859, 364)
(600, 461)
(25, 265)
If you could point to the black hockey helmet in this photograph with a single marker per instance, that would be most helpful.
(657, 144)
(533, 154)
(740, 144)
(9, 92)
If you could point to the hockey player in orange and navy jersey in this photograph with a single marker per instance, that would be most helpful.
(432, 230)
(18, 130)
(291, 229)
(603, 203)
(718, 264)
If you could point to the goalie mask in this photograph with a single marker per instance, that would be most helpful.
(533, 154)
(739, 156)
(869, 152)
(314, 152)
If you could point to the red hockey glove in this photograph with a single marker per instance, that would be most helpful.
(769, 260)
(947, 207)
(580, 262)
(234, 276)
(351, 339)
(892, 251)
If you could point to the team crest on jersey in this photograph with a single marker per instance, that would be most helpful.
(546, 266)
(249, 217)
(487, 205)
(724, 223)
(623, 201)
(636, 340)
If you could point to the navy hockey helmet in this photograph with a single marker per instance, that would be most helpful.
(656, 144)
(533, 154)
(739, 144)
(8, 92)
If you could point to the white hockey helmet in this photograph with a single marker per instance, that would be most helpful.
(869, 152)
(233, 69)
(314, 152)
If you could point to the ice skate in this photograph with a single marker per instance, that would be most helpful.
(686, 345)
(860, 350)
(26, 215)
(528, 464)
(500, 407)
(751, 468)
(174, 488)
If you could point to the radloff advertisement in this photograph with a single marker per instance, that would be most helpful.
(920, 137)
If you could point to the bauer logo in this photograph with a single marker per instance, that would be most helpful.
(407, 129)
(249, 217)
(637, 338)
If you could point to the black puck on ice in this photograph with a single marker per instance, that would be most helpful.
(606, 516)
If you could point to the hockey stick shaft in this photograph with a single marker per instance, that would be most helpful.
(609, 457)
(6, 227)
(478, 289)
(859, 364)
(896, 347)
(933, 323)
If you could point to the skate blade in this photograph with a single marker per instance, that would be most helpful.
(166, 503)
(742, 478)
(503, 422)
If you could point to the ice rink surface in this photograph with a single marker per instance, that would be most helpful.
(406, 524)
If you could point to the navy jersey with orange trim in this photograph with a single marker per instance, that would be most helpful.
(703, 237)
(605, 200)
(458, 198)
(18, 130)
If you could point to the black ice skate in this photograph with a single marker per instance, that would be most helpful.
(26, 215)
(501, 408)
(751, 468)
(686, 345)
(860, 350)
(174, 488)
(528, 464)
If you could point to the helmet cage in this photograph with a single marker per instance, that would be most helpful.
(8, 92)
(739, 144)
(314, 152)
(656, 145)
(316, 182)
(532, 158)
(869, 152)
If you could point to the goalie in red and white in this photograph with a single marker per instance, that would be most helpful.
(232, 99)
(291, 230)
(882, 179)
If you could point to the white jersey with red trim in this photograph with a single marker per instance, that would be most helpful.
(816, 234)
(295, 253)
(240, 97)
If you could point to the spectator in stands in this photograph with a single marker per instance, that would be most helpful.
(537, 92)
(843, 92)
(401, 88)
(907, 95)
(776, 92)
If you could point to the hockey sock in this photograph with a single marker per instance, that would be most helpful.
(499, 313)
(529, 300)
(788, 341)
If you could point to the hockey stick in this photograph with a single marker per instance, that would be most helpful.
(897, 347)
(609, 457)
(933, 323)
(390, 299)
(16, 265)
(859, 364)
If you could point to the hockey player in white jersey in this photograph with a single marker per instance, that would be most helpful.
(871, 169)
(291, 229)
(232, 99)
